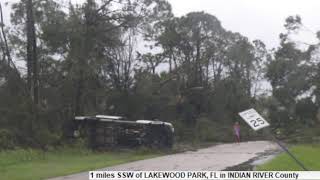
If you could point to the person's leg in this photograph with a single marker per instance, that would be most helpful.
(238, 138)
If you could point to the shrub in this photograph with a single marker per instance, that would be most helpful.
(7, 139)
(45, 138)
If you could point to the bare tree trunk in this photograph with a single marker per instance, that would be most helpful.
(29, 45)
(79, 101)
(199, 79)
(207, 73)
(32, 61)
(79, 94)
(170, 60)
(5, 42)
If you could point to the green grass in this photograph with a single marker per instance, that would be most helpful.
(34, 164)
(309, 155)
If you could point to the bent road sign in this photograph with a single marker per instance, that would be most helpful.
(254, 119)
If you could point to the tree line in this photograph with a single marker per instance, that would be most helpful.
(134, 58)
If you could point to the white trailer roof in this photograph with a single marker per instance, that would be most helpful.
(109, 117)
(101, 117)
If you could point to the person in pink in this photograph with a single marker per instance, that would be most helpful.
(236, 130)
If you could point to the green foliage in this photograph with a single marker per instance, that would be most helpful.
(44, 138)
(292, 75)
(207, 130)
(90, 63)
(7, 139)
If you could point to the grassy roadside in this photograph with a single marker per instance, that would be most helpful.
(308, 154)
(26, 164)
(34, 164)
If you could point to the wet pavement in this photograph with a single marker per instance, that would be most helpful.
(219, 157)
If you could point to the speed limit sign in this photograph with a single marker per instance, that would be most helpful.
(254, 119)
(256, 122)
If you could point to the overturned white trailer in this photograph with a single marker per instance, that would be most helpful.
(105, 131)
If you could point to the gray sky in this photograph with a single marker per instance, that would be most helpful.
(256, 19)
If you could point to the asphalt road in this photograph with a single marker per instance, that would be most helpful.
(217, 157)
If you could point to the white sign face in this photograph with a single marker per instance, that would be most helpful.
(254, 119)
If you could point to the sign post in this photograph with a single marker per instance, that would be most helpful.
(257, 122)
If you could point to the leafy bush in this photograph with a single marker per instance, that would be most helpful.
(45, 139)
(7, 139)
(304, 135)
(207, 130)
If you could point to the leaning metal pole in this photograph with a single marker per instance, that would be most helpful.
(286, 150)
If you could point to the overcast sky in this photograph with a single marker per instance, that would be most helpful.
(256, 19)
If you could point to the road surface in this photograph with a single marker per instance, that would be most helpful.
(217, 157)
